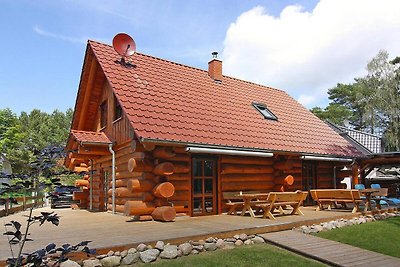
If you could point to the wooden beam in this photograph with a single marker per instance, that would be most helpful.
(88, 91)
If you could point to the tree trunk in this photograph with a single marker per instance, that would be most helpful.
(138, 208)
(163, 169)
(164, 214)
(164, 190)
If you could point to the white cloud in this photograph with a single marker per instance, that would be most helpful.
(82, 40)
(306, 53)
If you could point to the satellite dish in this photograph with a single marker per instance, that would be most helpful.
(124, 45)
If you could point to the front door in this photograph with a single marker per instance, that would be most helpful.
(204, 186)
(309, 179)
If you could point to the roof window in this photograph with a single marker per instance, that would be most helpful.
(262, 108)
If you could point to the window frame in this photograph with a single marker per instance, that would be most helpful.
(117, 110)
(103, 114)
(265, 111)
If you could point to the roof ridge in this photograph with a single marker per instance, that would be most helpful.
(197, 69)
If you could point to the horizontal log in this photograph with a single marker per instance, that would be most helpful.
(163, 169)
(245, 177)
(180, 195)
(283, 165)
(138, 208)
(159, 202)
(119, 183)
(118, 208)
(179, 149)
(228, 168)
(163, 152)
(140, 165)
(136, 185)
(134, 175)
(178, 177)
(285, 180)
(164, 214)
(246, 160)
(181, 168)
(164, 190)
(249, 186)
(81, 182)
(81, 169)
(181, 185)
(140, 196)
(280, 188)
(180, 158)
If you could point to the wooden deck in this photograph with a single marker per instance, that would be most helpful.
(330, 252)
(109, 231)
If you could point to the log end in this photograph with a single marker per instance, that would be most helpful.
(164, 214)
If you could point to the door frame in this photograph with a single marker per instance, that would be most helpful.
(308, 167)
(215, 183)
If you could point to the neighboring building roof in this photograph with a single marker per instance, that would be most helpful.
(90, 137)
(166, 101)
(365, 142)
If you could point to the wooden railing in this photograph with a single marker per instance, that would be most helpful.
(24, 203)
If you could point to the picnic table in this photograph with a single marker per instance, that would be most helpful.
(368, 197)
(252, 199)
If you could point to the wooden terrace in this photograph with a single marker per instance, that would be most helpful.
(115, 232)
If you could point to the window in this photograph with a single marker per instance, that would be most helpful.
(117, 109)
(103, 114)
(262, 108)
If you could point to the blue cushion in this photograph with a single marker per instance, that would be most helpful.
(359, 186)
(375, 186)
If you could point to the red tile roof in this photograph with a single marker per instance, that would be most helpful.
(90, 137)
(169, 101)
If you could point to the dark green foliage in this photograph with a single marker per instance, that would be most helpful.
(371, 103)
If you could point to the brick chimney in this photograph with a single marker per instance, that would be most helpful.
(215, 68)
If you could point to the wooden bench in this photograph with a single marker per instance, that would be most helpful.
(233, 200)
(332, 196)
(279, 200)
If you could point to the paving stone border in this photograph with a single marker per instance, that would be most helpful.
(146, 253)
(315, 228)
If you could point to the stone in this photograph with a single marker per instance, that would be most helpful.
(186, 248)
(141, 247)
(194, 252)
(159, 245)
(131, 250)
(92, 263)
(198, 248)
(243, 237)
(130, 258)
(102, 256)
(230, 240)
(180, 253)
(248, 242)
(319, 228)
(201, 242)
(228, 245)
(149, 247)
(238, 242)
(111, 261)
(210, 246)
(117, 253)
(149, 255)
(236, 236)
(69, 263)
(169, 252)
(258, 240)
(210, 240)
(110, 253)
(124, 253)
(220, 242)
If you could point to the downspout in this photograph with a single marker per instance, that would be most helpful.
(91, 185)
(113, 176)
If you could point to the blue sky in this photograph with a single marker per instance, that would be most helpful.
(43, 42)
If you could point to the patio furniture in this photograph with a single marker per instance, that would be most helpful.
(368, 193)
(235, 200)
(332, 196)
(279, 200)
(391, 200)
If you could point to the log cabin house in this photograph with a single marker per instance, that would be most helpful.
(178, 135)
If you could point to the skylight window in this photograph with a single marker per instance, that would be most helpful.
(262, 108)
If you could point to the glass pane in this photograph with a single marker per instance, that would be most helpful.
(197, 186)
(197, 168)
(197, 205)
(209, 204)
(208, 184)
(208, 167)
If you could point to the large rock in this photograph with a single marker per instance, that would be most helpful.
(258, 240)
(169, 252)
(228, 245)
(220, 243)
(141, 247)
(111, 261)
(69, 263)
(238, 242)
(210, 246)
(243, 237)
(159, 245)
(92, 263)
(130, 258)
(186, 248)
(210, 240)
(149, 255)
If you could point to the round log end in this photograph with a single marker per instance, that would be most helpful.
(131, 164)
(164, 190)
(289, 180)
(164, 214)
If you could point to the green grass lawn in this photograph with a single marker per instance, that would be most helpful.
(254, 255)
(379, 236)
